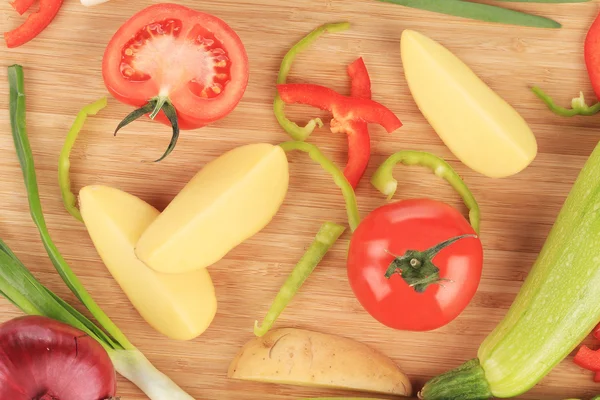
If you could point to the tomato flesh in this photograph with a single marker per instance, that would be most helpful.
(417, 224)
(193, 58)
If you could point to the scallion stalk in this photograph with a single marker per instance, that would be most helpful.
(22, 289)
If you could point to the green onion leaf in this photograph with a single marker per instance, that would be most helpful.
(23, 148)
(477, 11)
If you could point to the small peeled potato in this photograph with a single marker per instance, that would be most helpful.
(305, 358)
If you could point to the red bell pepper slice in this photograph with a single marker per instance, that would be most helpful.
(34, 24)
(343, 108)
(592, 55)
(588, 359)
(597, 377)
(22, 5)
(597, 332)
(359, 140)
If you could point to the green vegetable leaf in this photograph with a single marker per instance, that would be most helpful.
(477, 11)
(24, 153)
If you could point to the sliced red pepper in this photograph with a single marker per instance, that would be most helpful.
(588, 359)
(597, 377)
(597, 332)
(359, 140)
(22, 5)
(343, 108)
(34, 24)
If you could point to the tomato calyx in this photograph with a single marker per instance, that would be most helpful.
(154, 106)
(417, 267)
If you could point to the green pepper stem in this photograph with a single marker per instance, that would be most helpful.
(295, 131)
(64, 163)
(326, 237)
(338, 177)
(578, 105)
(384, 181)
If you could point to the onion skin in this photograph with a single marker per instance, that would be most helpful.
(43, 359)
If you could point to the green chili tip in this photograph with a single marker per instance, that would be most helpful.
(338, 177)
(324, 240)
(578, 105)
(384, 181)
(64, 163)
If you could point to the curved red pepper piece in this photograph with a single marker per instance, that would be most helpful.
(343, 108)
(588, 359)
(34, 24)
(359, 140)
(22, 5)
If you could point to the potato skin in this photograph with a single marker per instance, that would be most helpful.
(307, 358)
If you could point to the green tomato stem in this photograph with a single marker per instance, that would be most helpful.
(326, 237)
(295, 131)
(64, 163)
(338, 177)
(384, 181)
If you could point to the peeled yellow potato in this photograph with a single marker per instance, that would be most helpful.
(478, 126)
(228, 201)
(179, 306)
(301, 357)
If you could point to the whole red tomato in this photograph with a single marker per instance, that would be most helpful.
(423, 290)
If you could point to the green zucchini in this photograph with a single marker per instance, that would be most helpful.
(557, 307)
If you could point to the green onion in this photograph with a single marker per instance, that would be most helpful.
(477, 11)
(22, 289)
(64, 163)
(545, 1)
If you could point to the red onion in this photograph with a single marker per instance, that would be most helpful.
(43, 359)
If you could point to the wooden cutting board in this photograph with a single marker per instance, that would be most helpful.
(63, 72)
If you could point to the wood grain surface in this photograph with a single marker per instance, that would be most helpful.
(63, 72)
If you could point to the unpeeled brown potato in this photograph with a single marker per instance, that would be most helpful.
(306, 358)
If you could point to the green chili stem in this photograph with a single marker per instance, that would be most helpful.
(64, 163)
(578, 104)
(326, 237)
(23, 149)
(338, 177)
(384, 181)
(295, 131)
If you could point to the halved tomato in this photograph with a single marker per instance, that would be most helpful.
(188, 64)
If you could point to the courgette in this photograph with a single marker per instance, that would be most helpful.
(557, 307)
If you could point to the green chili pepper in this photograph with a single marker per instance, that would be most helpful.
(326, 237)
(64, 164)
(338, 176)
(295, 131)
(384, 181)
(578, 104)
(477, 11)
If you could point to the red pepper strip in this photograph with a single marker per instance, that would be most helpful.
(22, 5)
(588, 359)
(34, 24)
(597, 332)
(597, 377)
(592, 55)
(359, 140)
(343, 108)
